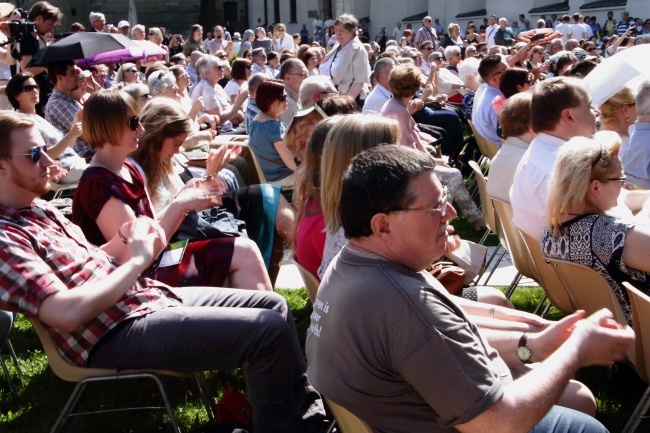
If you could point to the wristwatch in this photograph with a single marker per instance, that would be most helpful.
(523, 352)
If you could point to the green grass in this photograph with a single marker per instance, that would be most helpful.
(40, 401)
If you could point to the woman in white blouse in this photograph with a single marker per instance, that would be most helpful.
(282, 40)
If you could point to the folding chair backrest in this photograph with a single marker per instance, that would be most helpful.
(515, 244)
(70, 372)
(311, 281)
(486, 203)
(551, 283)
(487, 147)
(641, 317)
(588, 290)
(258, 168)
(346, 420)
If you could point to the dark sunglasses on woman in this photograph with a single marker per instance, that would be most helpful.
(133, 122)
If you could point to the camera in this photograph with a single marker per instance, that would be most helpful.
(23, 13)
(17, 27)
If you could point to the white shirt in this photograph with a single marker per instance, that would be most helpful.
(578, 31)
(446, 80)
(397, 34)
(376, 99)
(567, 31)
(529, 192)
(285, 42)
(490, 33)
(503, 167)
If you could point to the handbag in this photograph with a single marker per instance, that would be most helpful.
(212, 223)
(232, 407)
(449, 275)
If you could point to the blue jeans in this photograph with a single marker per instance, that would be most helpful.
(562, 420)
(221, 329)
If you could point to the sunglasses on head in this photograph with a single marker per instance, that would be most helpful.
(31, 87)
(35, 154)
(133, 122)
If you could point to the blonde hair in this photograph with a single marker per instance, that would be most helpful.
(579, 161)
(119, 77)
(348, 138)
(105, 117)
(156, 34)
(614, 104)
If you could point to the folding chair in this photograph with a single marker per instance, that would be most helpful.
(515, 244)
(311, 281)
(346, 420)
(487, 147)
(84, 376)
(553, 287)
(6, 322)
(62, 191)
(641, 316)
(490, 218)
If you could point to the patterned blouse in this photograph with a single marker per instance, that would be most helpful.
(597, 241)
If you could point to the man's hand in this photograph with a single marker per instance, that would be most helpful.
(600, 339)
(145, 239)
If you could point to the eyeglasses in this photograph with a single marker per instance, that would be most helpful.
(152, 34)
(133, 122)
(145, 96)
(133, 71)
(31, 87)
(442, 207)
(591, 50)
(35, 154)
(223, 56)
(621, 179)
(283, 98)
(302, 74)
(427, 49)
(497, 73)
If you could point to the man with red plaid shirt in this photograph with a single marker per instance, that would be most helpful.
(102, 313)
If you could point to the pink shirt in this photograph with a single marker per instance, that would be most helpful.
(410, 131)
(310, 238)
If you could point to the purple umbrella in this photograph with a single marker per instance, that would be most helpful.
(141, 50)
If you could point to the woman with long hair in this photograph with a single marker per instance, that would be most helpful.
(127, 74)
(282, 40)
(112, 191)
(309, 228)
(156, 37)
(23, 94)
(618, 113)
(585, 185)
(266, 134)
(194, 42)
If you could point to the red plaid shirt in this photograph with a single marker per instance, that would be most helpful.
(40, 256)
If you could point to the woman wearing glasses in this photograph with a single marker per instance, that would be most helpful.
(266, 134)
(347, 63)
(261, 41)
(127, 74)
(282, 40)
(23, 94)
(585, 185)
(112, 192)
(156, 37)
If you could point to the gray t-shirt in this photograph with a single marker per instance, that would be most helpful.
(390, 345)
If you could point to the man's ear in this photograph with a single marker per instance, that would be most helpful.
(567, 116)
(380, 226)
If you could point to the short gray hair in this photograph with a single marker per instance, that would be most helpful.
(94, 16)
(469, 68)
(312, 85)
(160, 81)
(643, 99)
(451, 50)
(205, 63)
(137, 28)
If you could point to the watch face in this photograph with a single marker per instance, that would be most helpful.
(523, 353)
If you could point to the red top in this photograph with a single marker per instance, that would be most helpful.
(310, 238)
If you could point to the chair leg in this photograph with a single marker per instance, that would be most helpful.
(170, 409)
(6, 372)
(484, 237)
(496, 265)
(10, 348)
(70, 405)
(204, 394)
(487, 265)
(638, 413)
(513, 285)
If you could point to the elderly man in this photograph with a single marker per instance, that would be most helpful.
(259, 63)
(411, 360)
(102, 314)
(635, 155)
(292, 73)
(191, 66)
(426, 33)
(504, 36)
(313, 89)
(97, 22)
(485, 119)
(215, 99)
(124, 28)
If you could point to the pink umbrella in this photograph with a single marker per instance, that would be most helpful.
(142, 50)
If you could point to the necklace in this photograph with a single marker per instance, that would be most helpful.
(364, 253)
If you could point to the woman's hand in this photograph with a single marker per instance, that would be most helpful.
(218, 158)
(203, 193)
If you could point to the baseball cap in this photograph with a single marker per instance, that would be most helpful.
(123, 23)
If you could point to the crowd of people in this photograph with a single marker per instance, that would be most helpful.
(368, 138)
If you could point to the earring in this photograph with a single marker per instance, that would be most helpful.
(627, 119)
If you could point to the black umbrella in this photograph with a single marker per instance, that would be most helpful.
(79, 46)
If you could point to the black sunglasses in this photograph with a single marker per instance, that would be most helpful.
(35, 153)
(133, 122)
(283, 98)
(31, 87)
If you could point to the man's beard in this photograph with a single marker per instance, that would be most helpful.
(35, 186)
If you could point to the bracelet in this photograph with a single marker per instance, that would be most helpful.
(491, 313)
(121, 236)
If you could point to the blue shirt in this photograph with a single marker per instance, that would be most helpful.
(636, 155)
(486, 120)
(261, 137)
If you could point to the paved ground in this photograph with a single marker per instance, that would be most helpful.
(289, 277)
